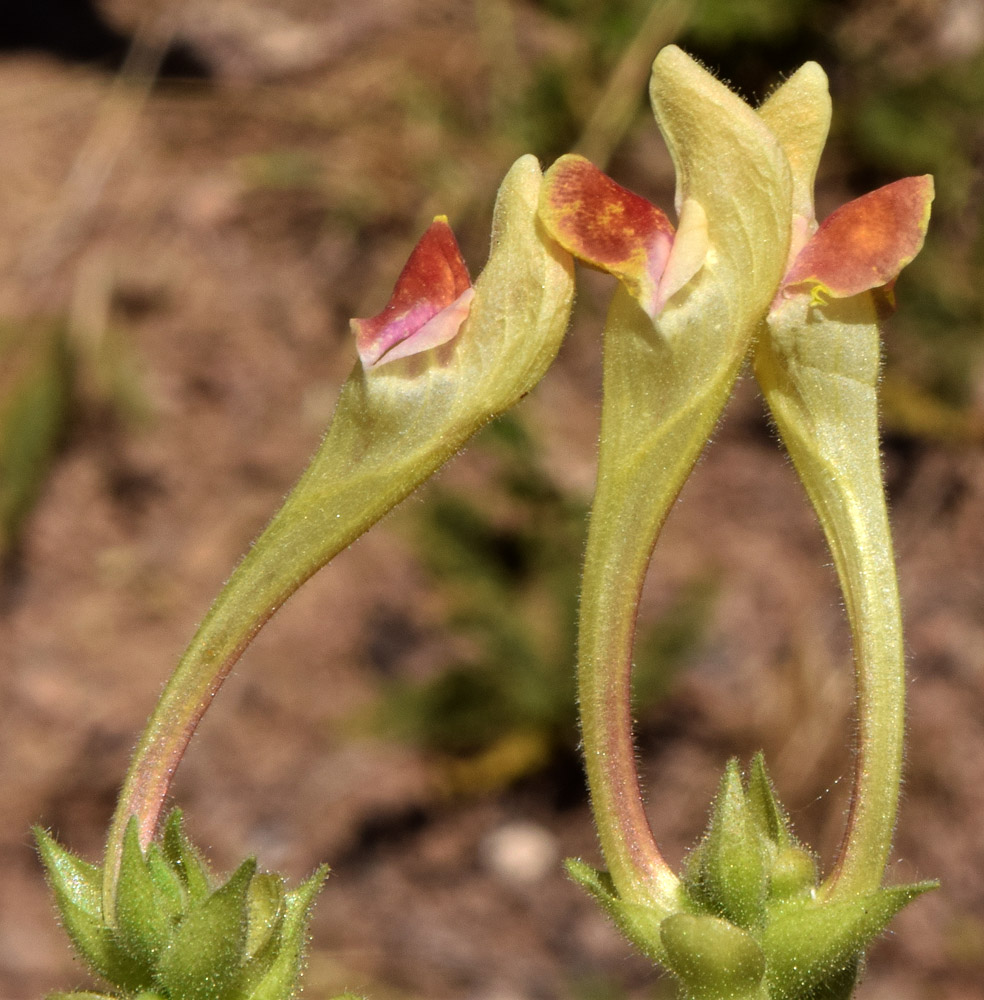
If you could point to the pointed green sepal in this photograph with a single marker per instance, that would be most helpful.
(76, 881)
(185, 859)
(764, 807)
(713, 958)
(172, 894)
(266, 904)
(267, 907)
(638, 922)
(144, 915)
(77, 887)
(730, 875)
(207, 949)
(792, 868)
(809, 943)
(280, 981)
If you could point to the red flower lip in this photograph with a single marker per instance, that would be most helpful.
(864, 244)
(612, 229)
(430, 302)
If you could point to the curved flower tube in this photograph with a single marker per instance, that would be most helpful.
(415, 399)
(817, 361)
(678, 330)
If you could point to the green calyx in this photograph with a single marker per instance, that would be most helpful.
(177, 933)
(749, 923)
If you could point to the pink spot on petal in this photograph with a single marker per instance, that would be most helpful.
(867, 242)
(434, 281)
(606, 226)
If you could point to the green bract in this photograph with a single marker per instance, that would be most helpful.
(176, 933)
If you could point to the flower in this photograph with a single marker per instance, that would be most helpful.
(430, 301)
(610, 228)
(817, 361)
(679, 328)
(863, 245)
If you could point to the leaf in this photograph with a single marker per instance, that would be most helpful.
(77, 881)
(763, 805)
(732, 869)
(713, 958)
(35, 389)
(172, 894)
(807, 942)
(185, 858)
(638, 922)
(266, 906)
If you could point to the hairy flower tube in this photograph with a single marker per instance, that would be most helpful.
(817, 361)
(442, 359)
(680, 325)
(747, 266)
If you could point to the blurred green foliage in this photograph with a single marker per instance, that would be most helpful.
(35, 392)
(506, 566)
(727, 22)
(49, 376)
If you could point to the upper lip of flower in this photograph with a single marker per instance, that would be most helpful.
(610, 228)
(733, 192)
(429, 303)
(864, 244)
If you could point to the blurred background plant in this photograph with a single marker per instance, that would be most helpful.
(506, 565)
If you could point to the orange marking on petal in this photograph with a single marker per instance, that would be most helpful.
(865, 243)
(434, 278)
(607, 226)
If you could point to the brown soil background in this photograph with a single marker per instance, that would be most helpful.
(234, 297)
